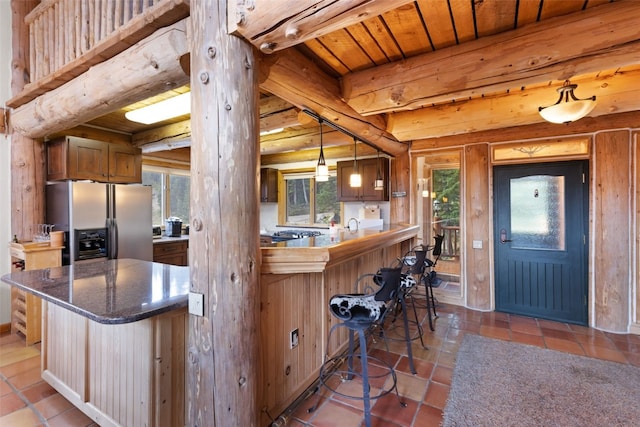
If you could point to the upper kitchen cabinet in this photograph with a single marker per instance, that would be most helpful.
(81, 158)
(368, 169)
(269, 185)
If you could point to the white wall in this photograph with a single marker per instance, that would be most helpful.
(5, 157)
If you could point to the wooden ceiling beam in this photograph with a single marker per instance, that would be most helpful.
(298, 80)
(344, 152)
(616, 92)
(534, 131)
(599, 38)
(273, 25)
(280, 120)
(147, 68)
(303, 139)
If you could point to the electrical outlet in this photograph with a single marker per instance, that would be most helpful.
(293, 339)
(196, 304)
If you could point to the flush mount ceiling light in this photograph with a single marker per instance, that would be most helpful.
(163, 110)
(379, 183)
(355, 180)
(568, 108)
(322, 170)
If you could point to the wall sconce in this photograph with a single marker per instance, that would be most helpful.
(163, 110)
(355, 180)
(568, 108)
(379, 183)
(322, 170)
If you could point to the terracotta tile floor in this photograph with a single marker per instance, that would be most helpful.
(26, 400)
(426, 392)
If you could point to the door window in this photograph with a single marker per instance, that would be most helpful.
(537, 212)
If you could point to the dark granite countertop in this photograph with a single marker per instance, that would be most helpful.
(110, 291)
(165, 239)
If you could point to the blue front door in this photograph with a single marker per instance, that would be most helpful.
(540, 234)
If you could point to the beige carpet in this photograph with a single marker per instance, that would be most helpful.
(499, 383)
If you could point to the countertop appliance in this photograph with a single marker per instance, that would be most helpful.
(173, 227)
(122, 211)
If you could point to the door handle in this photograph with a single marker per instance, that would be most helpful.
(503, 236)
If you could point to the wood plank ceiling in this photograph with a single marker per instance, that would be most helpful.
(398, 71)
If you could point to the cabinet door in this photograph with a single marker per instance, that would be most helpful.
(269, 185)
(346, 193)
(125, 164)
(369, 171)
(88, 159)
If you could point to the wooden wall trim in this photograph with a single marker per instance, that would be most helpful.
(477, 268)
(611, 252)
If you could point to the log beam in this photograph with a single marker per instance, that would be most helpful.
(596, 39)
(223, 372)
(616, 92)
(342, 152)
(27, 154)
(299, 21)
(147, 68)
(298, 80)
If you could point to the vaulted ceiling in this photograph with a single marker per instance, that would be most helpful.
(397, 71)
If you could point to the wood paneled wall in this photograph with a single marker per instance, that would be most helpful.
(614, 215)
(477, 223)
(612, 229)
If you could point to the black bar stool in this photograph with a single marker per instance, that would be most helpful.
(361, 313)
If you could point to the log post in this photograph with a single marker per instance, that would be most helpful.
(222, 361)
(27, 155)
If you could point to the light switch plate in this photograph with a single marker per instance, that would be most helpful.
(477, 244)
(196, 304)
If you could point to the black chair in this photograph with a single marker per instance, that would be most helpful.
(425, 273)
(413, 265)
(361, 313)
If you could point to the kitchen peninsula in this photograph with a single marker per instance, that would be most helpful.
(114, 332)
(297, 279)
(114, 336)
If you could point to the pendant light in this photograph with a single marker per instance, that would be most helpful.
(379, 183)
(355, 180)
(322, 170)
(568, 108)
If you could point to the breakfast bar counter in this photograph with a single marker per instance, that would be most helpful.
(113, 339)
(297, 279)
(315, 254)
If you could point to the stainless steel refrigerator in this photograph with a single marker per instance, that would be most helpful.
(121, 214)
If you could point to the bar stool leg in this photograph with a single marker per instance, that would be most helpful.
(365, 378)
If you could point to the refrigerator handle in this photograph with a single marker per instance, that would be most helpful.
(114, 238)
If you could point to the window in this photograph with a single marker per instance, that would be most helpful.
(170, 193)
(309, 202)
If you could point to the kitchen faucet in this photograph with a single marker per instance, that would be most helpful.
(349, 224)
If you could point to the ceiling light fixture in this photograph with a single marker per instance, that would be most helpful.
(568, 108)
(379, 183)
(355, 180)
(163, 110)
(322, 170)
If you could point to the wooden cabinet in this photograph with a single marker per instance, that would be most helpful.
(26, 309)
(171, 252)
(269, 185)
(81, 158)
(368, 168)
